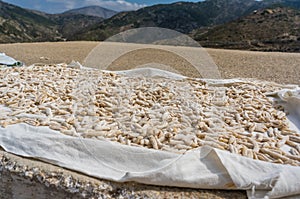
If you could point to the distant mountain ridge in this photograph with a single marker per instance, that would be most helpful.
(95, 11)
(211, 22)
(182, 16)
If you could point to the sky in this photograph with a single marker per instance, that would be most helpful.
(58, 6)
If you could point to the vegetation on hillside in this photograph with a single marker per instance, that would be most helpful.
(22, 25)
(272, 29)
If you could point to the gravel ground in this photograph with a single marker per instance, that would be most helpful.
(271, 66)
(49, 52)
(278, 67)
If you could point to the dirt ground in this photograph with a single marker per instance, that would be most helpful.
(278, 67)
(271, 66)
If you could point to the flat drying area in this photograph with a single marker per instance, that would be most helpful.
(270, 66)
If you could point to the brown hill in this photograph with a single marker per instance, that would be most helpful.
(23, 25)
(274, 29)
(19, 25)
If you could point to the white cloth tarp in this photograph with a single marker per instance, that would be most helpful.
(8, 61)
(205, 167)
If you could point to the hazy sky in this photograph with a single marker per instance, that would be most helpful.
(57, 6)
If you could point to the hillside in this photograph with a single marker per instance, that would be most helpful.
(69, 24)
(95, 11)
(286, 3)
(182, 16)
(274, 29)
(21, 25)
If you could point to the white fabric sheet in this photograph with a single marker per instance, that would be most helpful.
(6, 60)
(205, 167)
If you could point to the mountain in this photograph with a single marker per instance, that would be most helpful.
(23, 25)
(182, 16)
(243, 24)
(95, 11)
(20, 25)
(69, 24)
(272, 29)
